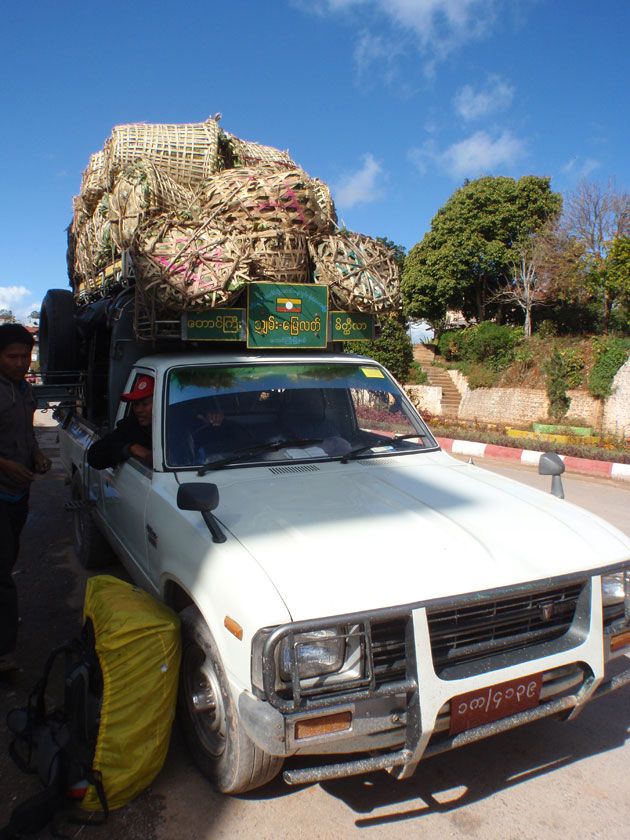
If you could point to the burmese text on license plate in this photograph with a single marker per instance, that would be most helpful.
(494, 702)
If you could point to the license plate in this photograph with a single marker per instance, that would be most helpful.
(494, 702)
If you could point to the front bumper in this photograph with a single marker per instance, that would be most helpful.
(397, 724)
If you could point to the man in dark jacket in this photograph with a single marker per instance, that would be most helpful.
(132, 436)
(20, 459)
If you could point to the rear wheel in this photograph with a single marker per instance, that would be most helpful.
(90, 546)
(209, 719)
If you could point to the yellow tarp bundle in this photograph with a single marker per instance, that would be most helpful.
(138, 647)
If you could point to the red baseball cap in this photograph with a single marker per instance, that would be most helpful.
(142, 387)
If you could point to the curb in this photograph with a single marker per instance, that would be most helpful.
(585, 466)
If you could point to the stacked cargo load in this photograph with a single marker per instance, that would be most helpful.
(202, 214)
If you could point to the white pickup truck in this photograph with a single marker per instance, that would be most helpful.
(345, 587)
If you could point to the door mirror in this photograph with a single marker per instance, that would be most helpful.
(553, 465)
(197, 496)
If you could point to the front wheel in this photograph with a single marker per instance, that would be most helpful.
(90, 546)
(209, 719)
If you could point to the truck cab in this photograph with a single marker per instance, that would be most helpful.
(344, 586)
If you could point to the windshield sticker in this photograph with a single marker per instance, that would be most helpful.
(372, 373)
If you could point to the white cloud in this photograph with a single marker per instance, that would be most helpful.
(360, 187)
(580, 167)
(478, 154)
(441, 25)
(473, 104)
(374, 49)
(436, 27)
(19, 300)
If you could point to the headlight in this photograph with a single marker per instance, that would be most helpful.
(317, 653)
(613, 589)
(616, 589)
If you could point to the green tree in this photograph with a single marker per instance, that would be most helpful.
(6, 316)
(598, 218)
(618, 280)
(474, 240)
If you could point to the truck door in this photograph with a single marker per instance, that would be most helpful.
(125, 490)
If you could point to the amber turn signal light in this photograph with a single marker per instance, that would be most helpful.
(234, 627)
(324, 725)
(620, 640)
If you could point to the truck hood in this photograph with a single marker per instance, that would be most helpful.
(337, 538)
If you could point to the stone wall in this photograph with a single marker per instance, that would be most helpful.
(523, 406)
(617, 407)
(426, 398)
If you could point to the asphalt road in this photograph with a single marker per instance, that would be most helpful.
(547, 780)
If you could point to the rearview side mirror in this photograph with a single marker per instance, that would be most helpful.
(197, 496)
(204, 498)
(552, 464)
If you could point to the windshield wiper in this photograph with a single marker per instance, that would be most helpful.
(379, 442)
(252, 451)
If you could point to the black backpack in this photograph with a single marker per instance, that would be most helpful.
(59, 744)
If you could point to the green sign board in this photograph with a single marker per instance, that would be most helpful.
(214, 325)
(350, 326)
(287, 315)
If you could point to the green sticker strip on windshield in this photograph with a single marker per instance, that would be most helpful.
(372, 373)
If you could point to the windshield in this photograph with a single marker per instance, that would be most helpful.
(219, 415)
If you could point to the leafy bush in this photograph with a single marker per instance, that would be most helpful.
(392, 349)
(481, 376)
(573, 361)
(416, 375)
(493, 345)
(611, 353)
(547, 329)
(555, 372)
(524, 356)
(451, 345)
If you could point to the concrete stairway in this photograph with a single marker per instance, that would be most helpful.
(437, 376)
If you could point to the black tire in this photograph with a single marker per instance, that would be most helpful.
(209, 719)
(58, 336)
(90, 546)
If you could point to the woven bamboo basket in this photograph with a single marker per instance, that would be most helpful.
(141, 191)
(95, 179)
(324, 199)
(181, 265)
(188, 153)
(94, 248)
(276, 256)
(361, 272)
(245, 153)
(248, 199)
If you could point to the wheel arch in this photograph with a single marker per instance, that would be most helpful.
(176, 596)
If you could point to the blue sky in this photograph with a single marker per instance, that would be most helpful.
(392, 102)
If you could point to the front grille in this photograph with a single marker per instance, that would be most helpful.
(388, 651)
(471, 632)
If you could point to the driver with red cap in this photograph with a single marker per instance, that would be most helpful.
(132, 436)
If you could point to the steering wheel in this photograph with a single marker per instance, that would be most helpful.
(208, 435)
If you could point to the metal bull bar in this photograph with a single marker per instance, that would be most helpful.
(400, 758)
